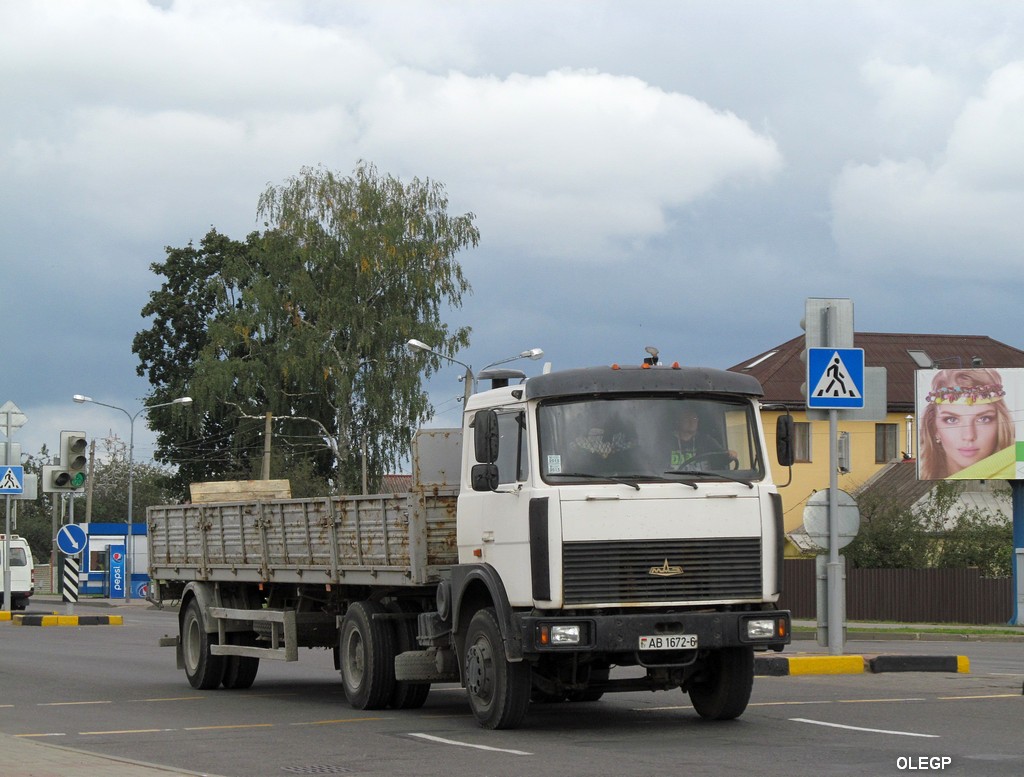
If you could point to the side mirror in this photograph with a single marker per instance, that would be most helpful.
(484, 477)
(785, 440)
(485, 436)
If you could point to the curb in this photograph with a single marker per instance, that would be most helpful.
(67, 620)
(782, 666)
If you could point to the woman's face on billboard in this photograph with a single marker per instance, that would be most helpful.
(967, 433)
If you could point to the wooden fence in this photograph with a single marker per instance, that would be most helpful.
(905, 595)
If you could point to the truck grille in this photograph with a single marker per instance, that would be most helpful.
(714, 569)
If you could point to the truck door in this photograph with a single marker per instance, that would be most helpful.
(494, 525)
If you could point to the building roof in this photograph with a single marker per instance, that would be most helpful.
(782, 371)
(897, 485)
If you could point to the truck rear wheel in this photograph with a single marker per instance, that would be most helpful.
(240, 671)
(723, 687)
(499, 691)
(367, 657)
(203, 669)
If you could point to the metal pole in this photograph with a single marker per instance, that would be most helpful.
(7, 553)
(835, 580)
(1017, 491)
(130, 549)
(7, 533)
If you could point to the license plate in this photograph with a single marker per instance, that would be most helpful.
(669, 642)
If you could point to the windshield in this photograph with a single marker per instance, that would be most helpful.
(648, 438)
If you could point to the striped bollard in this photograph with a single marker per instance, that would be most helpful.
(69, 586)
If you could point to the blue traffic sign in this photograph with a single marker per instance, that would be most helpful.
(71, 539)
(12, 479)
(835, 378)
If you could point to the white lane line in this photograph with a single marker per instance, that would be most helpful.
(869, 730)
(430, 738)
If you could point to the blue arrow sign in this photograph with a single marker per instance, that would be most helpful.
(12, 479)
(71, 539)
(835, 378)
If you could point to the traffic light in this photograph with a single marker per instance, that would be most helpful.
(70, 475)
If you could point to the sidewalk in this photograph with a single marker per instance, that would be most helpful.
(26, 758)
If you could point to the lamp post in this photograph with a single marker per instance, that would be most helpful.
(80, 399)
(417, 345)
(533, 353)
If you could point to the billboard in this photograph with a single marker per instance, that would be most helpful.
(970, 424)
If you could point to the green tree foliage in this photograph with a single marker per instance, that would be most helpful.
(941, 532)
(200, 443)
(308, 321)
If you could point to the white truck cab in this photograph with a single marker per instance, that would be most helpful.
(23, 575)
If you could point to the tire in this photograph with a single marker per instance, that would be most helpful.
(723, 688)
(367, 657)
(406, 696)
(204, 670)
(240, 671)
(499, 691)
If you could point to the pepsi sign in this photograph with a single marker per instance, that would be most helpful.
(118, 572)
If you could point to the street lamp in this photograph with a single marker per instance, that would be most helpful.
(80, 399)
(533, 353)
(418, 345)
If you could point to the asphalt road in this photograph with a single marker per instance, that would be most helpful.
(112, 690)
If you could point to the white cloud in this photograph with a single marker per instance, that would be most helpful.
(571, 158)
(959, 211)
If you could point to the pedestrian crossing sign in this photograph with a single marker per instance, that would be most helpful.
(835, 378)
(12, 480)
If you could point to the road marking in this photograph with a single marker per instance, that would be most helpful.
(990, 696)
(70, 703)
(125, 731)
(873, 701)
(240, 725)
(442, 741)
(867, 730)
(35, 736)
(173, 698)
(329, 722)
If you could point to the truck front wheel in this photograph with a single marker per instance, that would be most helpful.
(367, 657)
(203, 669)
(722, 688)
(499, 691)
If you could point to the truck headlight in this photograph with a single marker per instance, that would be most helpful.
(761, 628)
(560, 634)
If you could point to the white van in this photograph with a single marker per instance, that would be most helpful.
(23, 572)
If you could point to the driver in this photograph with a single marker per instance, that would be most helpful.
(691, 444)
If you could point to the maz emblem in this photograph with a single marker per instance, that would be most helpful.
(665, 570)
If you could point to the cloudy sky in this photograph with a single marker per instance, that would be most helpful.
(678, 174)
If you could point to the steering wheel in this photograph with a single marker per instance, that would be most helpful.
(731, 461)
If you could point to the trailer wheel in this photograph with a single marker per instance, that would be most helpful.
(406, 695)
(203, 669)
(499, 691)
(723, 688)
(367, 655)
(240, 671)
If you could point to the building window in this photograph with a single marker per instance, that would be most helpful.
(802, 442)
(886, 442)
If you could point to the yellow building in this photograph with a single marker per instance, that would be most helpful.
(874, 444)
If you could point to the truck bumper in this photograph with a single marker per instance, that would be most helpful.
(621, 633)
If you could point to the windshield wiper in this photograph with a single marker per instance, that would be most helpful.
(590, 476)
(704, 474)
